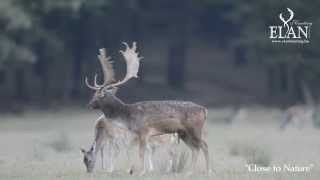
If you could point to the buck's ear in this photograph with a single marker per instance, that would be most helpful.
(113, 90)
(101, 94)
(93, 147)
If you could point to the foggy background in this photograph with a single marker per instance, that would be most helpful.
(213, 52)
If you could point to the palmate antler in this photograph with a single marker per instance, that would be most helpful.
(132, 61)
(107, 69)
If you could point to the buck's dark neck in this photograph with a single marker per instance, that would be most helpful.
(116, 109)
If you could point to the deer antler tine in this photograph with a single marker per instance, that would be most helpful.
(95, 81)
(102, 52)
(107, 67)
(134, 46)
(126, 44)
(89, 86)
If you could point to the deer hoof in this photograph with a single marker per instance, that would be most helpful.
(130, 171)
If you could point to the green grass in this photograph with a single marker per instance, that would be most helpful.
(46, 145)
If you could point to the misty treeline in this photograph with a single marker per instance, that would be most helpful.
(48, 46)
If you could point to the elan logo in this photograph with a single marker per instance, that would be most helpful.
(291, 30)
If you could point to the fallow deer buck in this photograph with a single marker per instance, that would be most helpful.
(113, 138)
(148, 118)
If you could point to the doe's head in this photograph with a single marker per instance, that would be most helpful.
(89, 159)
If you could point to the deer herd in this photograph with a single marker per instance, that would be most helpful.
(152, 125)
(147, 124)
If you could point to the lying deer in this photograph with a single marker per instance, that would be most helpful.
(113, 138)
(148, 118)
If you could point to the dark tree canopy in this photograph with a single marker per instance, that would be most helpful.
(47, 47)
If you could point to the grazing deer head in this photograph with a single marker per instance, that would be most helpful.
(112, 138)
(89, 158)
(148, 118)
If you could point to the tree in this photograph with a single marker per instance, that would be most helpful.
(177, 53)
(286, 64)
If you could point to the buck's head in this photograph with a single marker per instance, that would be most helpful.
(89, 158)
(104, 95)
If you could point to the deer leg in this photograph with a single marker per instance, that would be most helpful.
(102, 157)
(142, 149)
(128, 160)
(171, 159)
(194, 158)
(285, 122)
(195, 153)
(130, 167)
(132, 144)
(110, 156)
(150, 155)
(204, 148)
(113, 152)
(192, 142)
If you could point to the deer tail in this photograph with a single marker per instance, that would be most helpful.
(205, 111)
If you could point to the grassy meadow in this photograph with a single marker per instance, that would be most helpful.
(42, 145)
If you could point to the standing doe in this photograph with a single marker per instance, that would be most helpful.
(105, 135)
(148, 118)
(115, 138)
